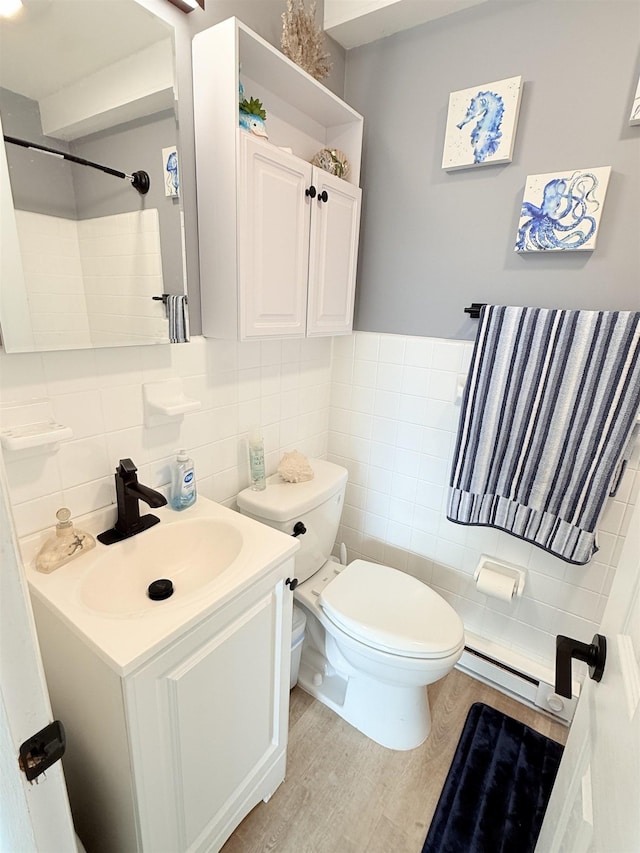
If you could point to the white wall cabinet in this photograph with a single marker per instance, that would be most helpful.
(297, 244)
(171, 757)
(333, 255)
(278, 237)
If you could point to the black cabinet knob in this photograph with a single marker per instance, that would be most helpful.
(292, 583)
(594, 655)
(298, 529)
(323, 196)
(311, 192)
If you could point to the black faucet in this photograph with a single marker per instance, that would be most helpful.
(128, 492)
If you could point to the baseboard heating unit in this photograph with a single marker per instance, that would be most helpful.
(516, 676)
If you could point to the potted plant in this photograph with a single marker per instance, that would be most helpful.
(253, 116)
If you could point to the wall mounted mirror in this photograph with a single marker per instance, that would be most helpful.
(85, 257)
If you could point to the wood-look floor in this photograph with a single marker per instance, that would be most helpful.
(345, 794)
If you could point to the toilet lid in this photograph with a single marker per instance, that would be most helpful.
(392, 611)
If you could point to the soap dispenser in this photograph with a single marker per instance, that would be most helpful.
(183, 482)
(67, 544)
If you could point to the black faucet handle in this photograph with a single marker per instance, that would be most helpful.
(128, 492)
(126, 466)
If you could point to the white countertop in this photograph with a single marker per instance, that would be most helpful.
(127, 641)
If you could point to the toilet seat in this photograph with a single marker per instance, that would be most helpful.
(399, 615)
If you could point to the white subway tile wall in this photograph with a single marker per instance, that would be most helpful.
(53, 279)
(122, 268)
(383, 406)
(284, 387)
(91, 281)
(393, 424)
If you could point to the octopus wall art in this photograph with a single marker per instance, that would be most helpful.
(561, 212)
(481, 124)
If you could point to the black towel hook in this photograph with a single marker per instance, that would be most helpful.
(473, 310)
(165, 296)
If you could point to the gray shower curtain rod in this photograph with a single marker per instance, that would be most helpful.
(139, 180)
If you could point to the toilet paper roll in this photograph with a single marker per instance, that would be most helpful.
(496, 585)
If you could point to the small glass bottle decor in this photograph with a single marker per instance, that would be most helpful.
(66, 544)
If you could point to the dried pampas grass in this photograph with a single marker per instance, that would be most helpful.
(302, 41)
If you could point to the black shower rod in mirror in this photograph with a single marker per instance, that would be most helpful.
(139, 180)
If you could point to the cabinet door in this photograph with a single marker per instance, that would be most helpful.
(333, 255)
(208, 723)
(273, 234)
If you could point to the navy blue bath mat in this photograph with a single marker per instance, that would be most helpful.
(497, 789)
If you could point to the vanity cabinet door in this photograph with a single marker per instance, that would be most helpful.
(208, 723)
(273, 240)
(333, 255)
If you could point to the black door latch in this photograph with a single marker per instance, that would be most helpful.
(594, 655)
(42, 750)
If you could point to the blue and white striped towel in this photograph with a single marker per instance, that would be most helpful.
(178, 319)
(550, 403)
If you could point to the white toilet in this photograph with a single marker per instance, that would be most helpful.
(375, 636)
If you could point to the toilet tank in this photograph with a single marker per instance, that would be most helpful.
(316, 503)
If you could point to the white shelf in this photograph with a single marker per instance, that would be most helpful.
(165, 401)
(35, 435)
(263, 62)
(301, 113)
(303, 117)
(29, 425)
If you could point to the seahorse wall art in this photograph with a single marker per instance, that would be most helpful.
(481, 124)
(486, 109)
(561, 211)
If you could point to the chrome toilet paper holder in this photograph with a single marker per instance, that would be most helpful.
(490, 564)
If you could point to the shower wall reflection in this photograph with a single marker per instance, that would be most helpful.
(92, 251)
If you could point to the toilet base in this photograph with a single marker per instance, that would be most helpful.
(395, 717)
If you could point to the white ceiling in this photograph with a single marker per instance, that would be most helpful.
(51, 44)
(355, 22)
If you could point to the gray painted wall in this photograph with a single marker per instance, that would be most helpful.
(52, 186)
(432, 242)
(39, 183)
(128, 148)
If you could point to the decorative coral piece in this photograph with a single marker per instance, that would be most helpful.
(333, 161)
(295, 468)
(303, 41)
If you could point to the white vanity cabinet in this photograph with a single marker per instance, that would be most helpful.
(278, 237)
(172, 756)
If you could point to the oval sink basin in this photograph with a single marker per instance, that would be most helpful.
(191, 553)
